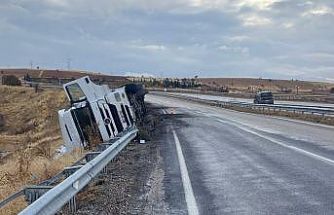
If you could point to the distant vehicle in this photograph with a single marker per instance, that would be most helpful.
(264, 97)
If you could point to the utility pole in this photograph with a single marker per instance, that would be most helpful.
(31, 64)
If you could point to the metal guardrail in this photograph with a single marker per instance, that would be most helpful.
(65, 192)
(32, 193)
(11, 198)
(310, 109)
(325, 111)
(76, 178)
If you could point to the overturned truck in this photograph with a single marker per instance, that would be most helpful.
(98, 113)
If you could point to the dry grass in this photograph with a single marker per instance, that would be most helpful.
(34, 170)
(29, 138)
(243, 84)
(299, 116)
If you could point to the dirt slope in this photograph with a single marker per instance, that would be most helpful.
(29, 138)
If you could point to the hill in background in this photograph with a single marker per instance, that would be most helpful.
(59, 77)
(278, 86)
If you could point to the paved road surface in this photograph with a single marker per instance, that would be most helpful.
(224, 162)
(227, 99)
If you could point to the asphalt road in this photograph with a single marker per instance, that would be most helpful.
(218, 161)
(228, 99)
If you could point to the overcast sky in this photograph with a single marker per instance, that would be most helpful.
(209, 38)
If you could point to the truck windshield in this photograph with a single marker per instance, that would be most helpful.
(75, 93)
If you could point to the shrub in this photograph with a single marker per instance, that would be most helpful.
(2, 122)
(10, 80)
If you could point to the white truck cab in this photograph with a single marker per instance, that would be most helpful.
(95, 111)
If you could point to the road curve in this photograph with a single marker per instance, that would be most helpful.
(240, 163)
(230, 99)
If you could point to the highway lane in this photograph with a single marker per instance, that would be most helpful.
(239, 163)
(228, 99)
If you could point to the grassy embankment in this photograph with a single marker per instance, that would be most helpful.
(29, 139)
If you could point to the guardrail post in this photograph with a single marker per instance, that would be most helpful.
(32, 193)
(72, 205)
(91, 155)
(103, 146)
(70, 170)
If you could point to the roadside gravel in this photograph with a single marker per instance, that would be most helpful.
(133, 181)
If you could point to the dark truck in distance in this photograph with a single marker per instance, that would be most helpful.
(264, 97)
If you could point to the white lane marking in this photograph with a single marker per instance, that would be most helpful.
(319, 157)
(188, 190)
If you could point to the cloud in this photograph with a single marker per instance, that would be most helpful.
(320, 55)
(288, 25)
(234, 49)
(58, 3)
(257, 4)
(267, 38)
(319, 11)
(237, 38)
(151, 47)
(254, 20)
(5, 26)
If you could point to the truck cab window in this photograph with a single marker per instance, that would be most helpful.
(75, 93)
